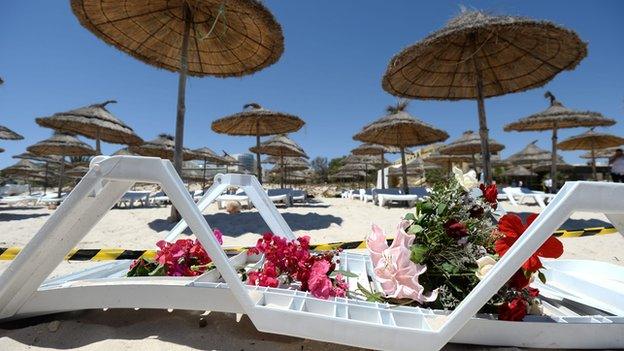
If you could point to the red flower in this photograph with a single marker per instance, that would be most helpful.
(455, 229)
(490, 194)
(514, 310)
(512, 227)
(519, 280)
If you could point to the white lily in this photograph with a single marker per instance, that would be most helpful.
(467, 180)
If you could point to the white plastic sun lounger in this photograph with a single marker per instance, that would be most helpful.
(573, 323)
(518, 196)
(19, 200)
(131, 197)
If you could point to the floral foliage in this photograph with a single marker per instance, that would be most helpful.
(453, 242)
(184, 257)
(291, 262)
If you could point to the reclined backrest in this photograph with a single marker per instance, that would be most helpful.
(418, 190)
(390, 191)
(274, 192)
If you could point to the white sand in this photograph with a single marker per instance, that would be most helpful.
(340, 220)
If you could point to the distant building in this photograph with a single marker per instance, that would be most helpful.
(247, 163)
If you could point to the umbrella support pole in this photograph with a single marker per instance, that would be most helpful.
(282, 171)
(45, 179)
(181, 109)
(553, 165)
(365, 176)
(258, 162)
(404, 169)
(483, 129)
(60, 185)
(593, 160)
(383, 178)
(98, 149)
(474, 162)
(204, 175)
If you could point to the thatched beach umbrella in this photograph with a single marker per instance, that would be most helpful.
(469, 144)
(363, 161)
(163, 147)
(61, 144)
(602, 153)
(398, 128)
(124, 152)
(207, 155)
(290, 165)
(376, 150)
(281, 146)
(46, 159)
(591, 140)
(24, 169)
(558, 117)
(546, 166)
(519, 171)
(94, 122)
(530, 155)
(228, 161)
(414, 168)
(257, 121)
(77, 172)
(199, 38)
(7, 134)
(446, 160)
(476, 56)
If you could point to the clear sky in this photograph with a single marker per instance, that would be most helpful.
(330, 73)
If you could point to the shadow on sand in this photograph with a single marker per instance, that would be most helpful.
(5, 217)
(157, 329)
(252, 222)
(574, 224)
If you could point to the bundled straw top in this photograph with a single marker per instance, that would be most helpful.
(207, 154)
(399, 128)
(374, 149)
(469, 143)
(559, 115)
(530, 155)
(226, 38)
(7, 134)
(162, 147)
(92, 121)
(363, 160)
(279, 145)
(29, 156)
(256, 120)
(590, 140)
(61, 144)
(513, 53)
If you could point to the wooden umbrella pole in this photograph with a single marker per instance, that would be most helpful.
(204, 175)
(98, 149)
(383, 178)
(179, 133)
(553, 165)
(60, 186)
(483, 129)
(593, 157)
(365, 175)
(404, 168)
(474, 162)
(45, 179)
(282, 171)
(258, 163)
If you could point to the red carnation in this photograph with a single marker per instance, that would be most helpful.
(514, 310)
(490, 194)
(455, 229)
(512, 227)
(519, 280)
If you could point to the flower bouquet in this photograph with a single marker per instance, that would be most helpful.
(448, 244)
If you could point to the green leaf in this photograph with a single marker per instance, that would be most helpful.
(541, 277)
(415, 229)
(418, 253)
(344, 273)
(449, 268)
(410, 217)
(158, 271)
(440, 209)
(427, 207)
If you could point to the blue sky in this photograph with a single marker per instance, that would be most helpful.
(330, 73)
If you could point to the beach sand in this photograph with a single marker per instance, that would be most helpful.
(329, 220)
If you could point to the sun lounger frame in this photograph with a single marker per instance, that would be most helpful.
(279, 311)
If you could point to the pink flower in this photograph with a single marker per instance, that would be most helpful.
(218, 235)
(321, 285)
(395, 271)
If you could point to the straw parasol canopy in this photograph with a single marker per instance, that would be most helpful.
(24, 169)
(603, 153)
(398, 128)
(469, 144)
(591, 140)
(257, 121)
(476, 56)
(46, 159)
(61, 144)
(545, 166)
(519, 171)
(94, 122)
(446, 160)
(376, 150)
(281, 146)
(415, 168)
(556, 117)
(363, 161)
(162, 147)
(7, 134)
(218, 38)
(207, 155)
(124, 152)
(77, 172)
